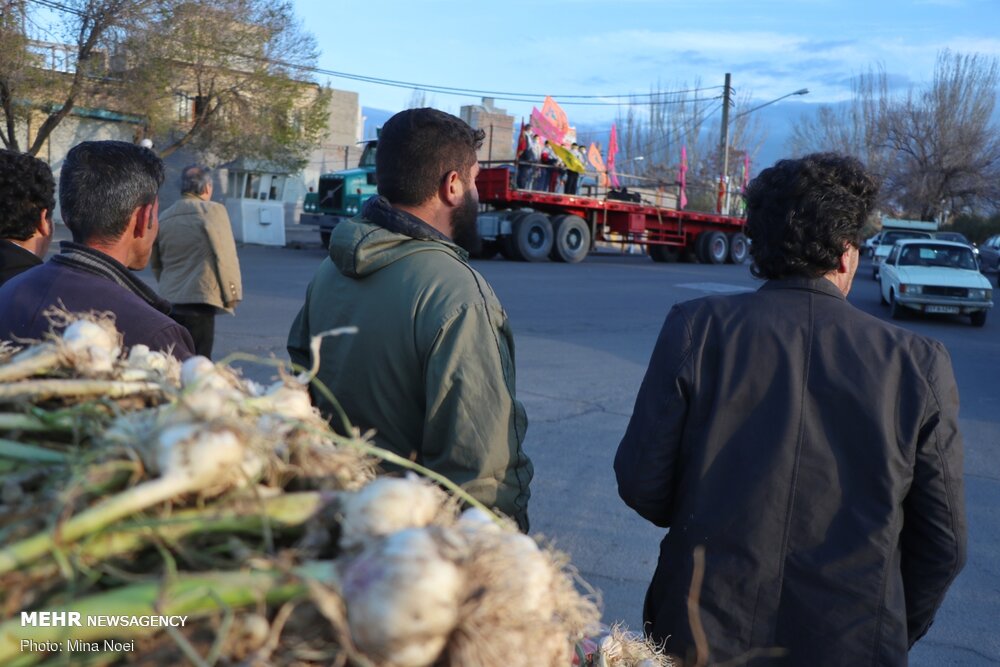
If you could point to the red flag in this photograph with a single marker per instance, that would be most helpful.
(612, 151)
(522, 141)
(746, 171)
(683, 177)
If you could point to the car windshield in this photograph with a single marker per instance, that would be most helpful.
(937, 255)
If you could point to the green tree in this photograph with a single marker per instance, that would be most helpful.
(227, 78)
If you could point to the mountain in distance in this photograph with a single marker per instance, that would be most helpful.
(374, 119)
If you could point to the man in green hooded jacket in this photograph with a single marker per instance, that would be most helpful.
(431, 368)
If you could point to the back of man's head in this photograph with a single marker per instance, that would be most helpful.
(417, 148)
(102, 183)
(26, 189)
(803, 213)
(195, 179)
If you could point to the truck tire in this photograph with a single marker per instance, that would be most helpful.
(487, 250)
(713, 247)
(739, 248)
(533, 237)
(662, 253)
(571, 242)
(506, 244)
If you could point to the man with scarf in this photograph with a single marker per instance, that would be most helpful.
(431, 367)
(108, 197)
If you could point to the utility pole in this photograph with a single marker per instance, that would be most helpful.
(724, 142)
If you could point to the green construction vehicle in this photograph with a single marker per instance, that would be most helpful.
(340, 194)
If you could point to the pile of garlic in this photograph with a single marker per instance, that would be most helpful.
(423, 585)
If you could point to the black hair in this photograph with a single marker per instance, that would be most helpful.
(417, 148)
(102, 183)
(802, 213)
(26, 188)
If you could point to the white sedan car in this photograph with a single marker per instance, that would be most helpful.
(887, 240)
(929, 276)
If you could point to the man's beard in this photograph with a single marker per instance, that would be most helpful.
(464, 230)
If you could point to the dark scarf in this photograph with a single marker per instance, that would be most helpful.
(379, 211)
(97, 263)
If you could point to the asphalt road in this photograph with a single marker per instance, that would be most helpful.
(584, 334)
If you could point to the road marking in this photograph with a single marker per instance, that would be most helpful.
(720, 288)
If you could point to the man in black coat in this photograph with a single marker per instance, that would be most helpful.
(27, 197)
(804, 455)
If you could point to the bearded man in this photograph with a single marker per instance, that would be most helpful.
(431, 368)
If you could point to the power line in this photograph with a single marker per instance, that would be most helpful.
(655, 98)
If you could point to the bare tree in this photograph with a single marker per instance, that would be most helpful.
(936, 149)
(665, 122)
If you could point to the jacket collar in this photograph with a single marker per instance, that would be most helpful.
(819, 285)
(379, 211)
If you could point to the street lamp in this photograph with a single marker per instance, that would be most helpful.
(724, 143)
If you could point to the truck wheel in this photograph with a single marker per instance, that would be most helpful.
(533, 237)
(324, 238)
(507, 244)
(978, 318)
(572, 239)
(739, 248)
(713, 247)
(662, 253)
(488, 250)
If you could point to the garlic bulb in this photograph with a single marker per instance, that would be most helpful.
(386, 505)
(146, 364)
(402, 599)
(90, 347)
(204, 457)
(285, 401)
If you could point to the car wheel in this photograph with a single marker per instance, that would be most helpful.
(881, 294)
(875, 272)
(896, 311)
(978, 318)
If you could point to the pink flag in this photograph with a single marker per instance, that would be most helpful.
(545, 128)
(683, 177)
(612, 151)
(746, 171)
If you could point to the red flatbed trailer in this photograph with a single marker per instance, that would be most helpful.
(531, 225)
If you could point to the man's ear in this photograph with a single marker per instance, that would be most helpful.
(45, 226)
(452, 188)
(142, 218)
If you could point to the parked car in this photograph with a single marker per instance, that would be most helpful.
(870, 243)
(885, 244)
(957, 237)
(989, 254)
(931, 276)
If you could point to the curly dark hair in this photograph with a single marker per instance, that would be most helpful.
(802, 213)
(416, 148)
(26, 189)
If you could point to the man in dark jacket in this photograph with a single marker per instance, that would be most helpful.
(108, 196)
(27, 197)
(804, 454)
(431, 368)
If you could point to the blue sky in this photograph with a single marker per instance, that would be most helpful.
(611, 47)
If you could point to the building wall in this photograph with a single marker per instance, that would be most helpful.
(498, 126)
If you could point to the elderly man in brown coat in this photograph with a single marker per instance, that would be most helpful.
(195, 259)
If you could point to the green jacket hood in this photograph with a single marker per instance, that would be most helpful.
(382, 235)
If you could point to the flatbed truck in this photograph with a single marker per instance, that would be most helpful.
(531, 225)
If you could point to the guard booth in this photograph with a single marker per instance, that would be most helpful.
(254, 201)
